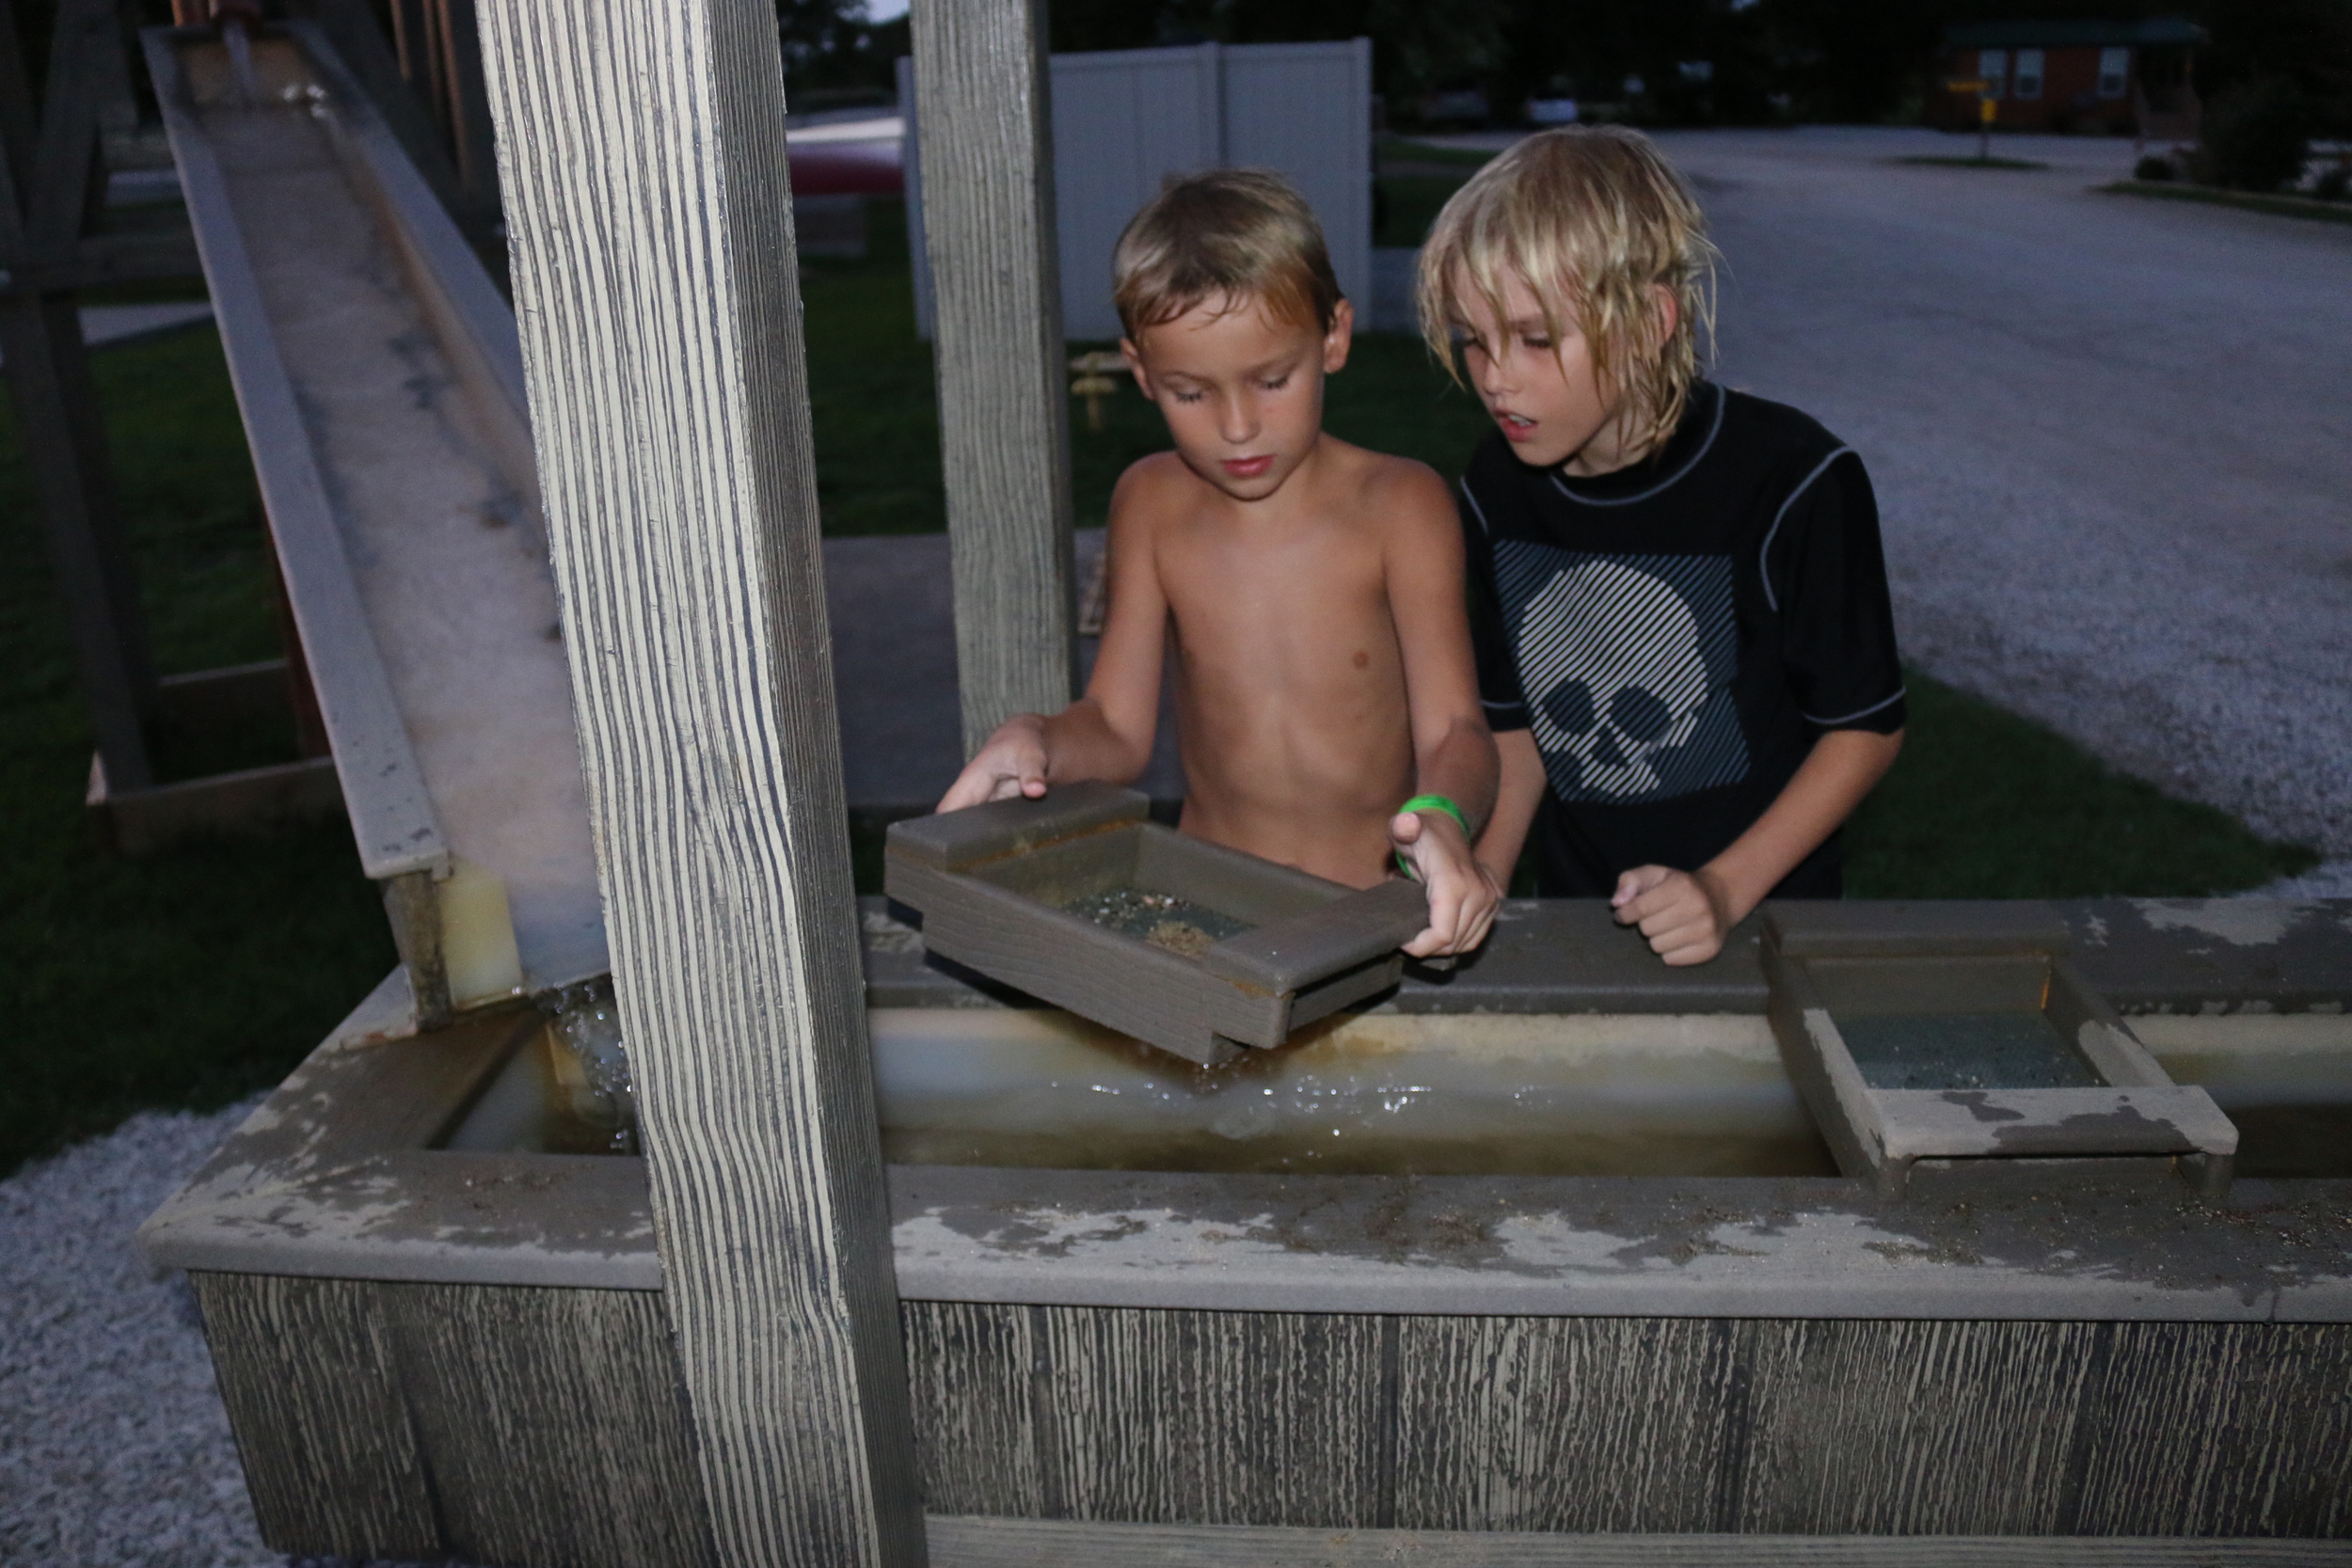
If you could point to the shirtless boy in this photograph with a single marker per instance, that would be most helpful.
(1311, 592)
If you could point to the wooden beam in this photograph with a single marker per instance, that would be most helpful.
(42, 189)
(382, 70)
(642, 149)
(466, 109)
(251, 800)
(57, 423)
(985, 123)
(99, 259)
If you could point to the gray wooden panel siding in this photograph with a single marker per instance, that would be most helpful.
(1124, 120)
(1585, 1424)
(1306, 109)
(510, 1424)
(522, 1424)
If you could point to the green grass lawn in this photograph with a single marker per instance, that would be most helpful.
(191, 977)
(195, 976)
(1404, 150)
(1985, 804)
(2252, 201)
(1954, 161)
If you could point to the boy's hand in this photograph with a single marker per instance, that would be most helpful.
(1684, 915)
(1462, 895)
(1013, 763)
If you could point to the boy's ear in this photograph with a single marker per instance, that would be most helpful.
(1133, 357)
(1669, 312)
(1337, 341)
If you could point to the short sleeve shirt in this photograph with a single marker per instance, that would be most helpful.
(1675, 635)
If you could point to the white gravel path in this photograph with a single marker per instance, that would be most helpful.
(113, 1449)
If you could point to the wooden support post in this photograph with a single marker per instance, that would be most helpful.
(643, 155)
(394, 90)
(983, 114)
(44, 185)
(466, 107)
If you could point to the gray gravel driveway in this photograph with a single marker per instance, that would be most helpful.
(2109, 435)
(114, 1448)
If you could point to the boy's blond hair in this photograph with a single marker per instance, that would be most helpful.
(1591, 219)
(1234, 234)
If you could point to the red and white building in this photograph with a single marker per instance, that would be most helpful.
(2124, 78)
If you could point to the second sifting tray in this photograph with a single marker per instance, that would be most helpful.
(1082, 901)
(1958, 1037)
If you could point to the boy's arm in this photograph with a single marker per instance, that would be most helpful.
(1824, 569)
(1452, 751)
(1685, 914)
(1517, 793)
(1106, 734)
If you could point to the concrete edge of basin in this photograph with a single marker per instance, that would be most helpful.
(1567, 955)
(334, 1177)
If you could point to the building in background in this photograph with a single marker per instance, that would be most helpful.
(1125, 119)
(2123, 78)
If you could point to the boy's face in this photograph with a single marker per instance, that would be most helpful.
(1242, 391)
(1547, 398)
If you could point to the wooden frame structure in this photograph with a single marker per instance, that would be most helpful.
(983, 110)
(1176, 1369)
(46, 177)
(642, 149)
(51, 245)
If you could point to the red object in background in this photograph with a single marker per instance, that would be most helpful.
(858, 157)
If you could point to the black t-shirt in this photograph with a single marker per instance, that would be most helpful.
(1678, 633)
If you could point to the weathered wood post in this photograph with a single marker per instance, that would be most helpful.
(643, 156)
(983, 114)
(45, 180)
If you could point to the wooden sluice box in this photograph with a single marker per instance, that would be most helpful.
(1959, 1035)
(1079, 900)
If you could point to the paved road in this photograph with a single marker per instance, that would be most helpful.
(2110, 437)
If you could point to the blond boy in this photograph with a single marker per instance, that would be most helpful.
(1684, 639)
(1308, 592)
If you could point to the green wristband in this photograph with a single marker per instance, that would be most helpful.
(1431, 802)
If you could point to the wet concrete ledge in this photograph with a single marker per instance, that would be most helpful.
(333, 1177)
(1567, 956)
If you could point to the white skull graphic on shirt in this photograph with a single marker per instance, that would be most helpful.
(1617, 662)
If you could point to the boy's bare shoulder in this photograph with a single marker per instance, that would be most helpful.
(1401, 490)
(1153, 486)
(1146, 494)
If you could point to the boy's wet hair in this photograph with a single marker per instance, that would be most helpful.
(1231, 234)
(1591, 219)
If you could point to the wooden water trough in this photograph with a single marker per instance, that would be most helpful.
(429, 1349)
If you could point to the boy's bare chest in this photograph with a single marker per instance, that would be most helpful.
(1322, 578)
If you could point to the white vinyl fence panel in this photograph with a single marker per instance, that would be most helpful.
(1124, 120)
